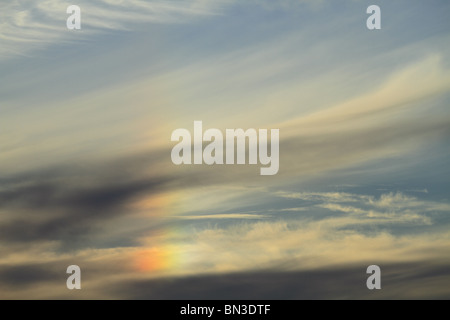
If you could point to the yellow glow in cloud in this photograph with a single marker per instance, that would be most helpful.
(154, 259)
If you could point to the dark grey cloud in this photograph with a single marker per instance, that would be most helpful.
(333, 150)
(421, 280)
(70, 201)
(29, 275)
(410, 280)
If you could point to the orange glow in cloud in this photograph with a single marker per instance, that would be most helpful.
(159, 253)
(155, 255)
(153, 259)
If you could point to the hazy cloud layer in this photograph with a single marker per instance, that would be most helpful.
(414, 280)
(86, 176)
(400, 281)
(29, 25)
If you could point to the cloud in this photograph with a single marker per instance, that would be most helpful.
(418, 280)
(17, 276)
(420, 271)
(383, 120)
(303, 244)
(223, 216)
(31, 274)
(68, 195)
(29, 25)
(413, 280)
(388, 208)
(363, 231)
(64, 204)
(422, 79)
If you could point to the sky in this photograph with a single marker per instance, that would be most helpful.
(86, 176)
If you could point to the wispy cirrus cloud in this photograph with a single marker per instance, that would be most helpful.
(29, 25)
(389, 208)
(356, 223)
(223, 216)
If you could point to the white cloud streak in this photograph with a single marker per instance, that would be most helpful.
(28, 25)
(392, 208)
(303, 245)
(223, 216)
